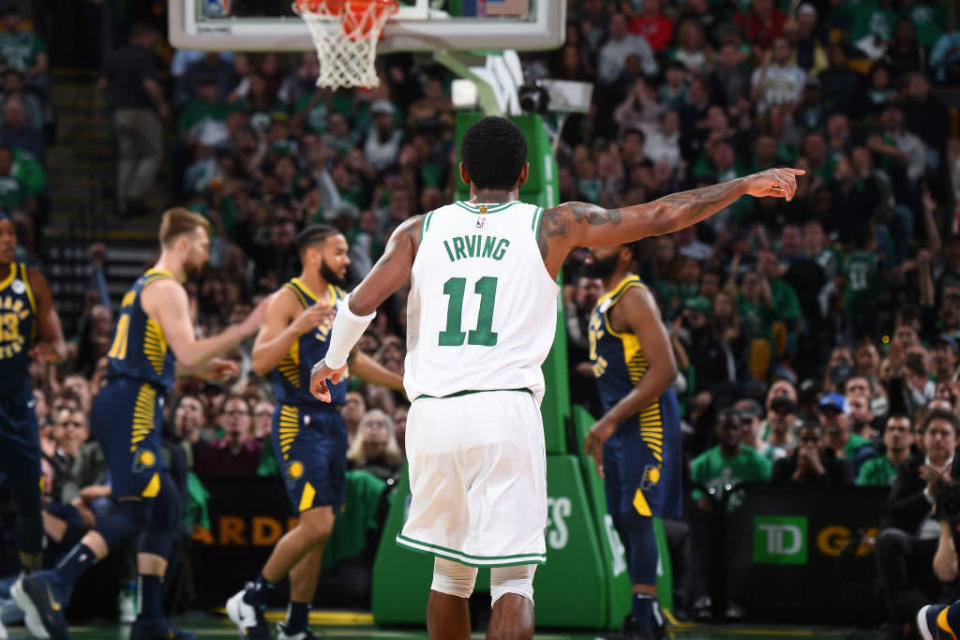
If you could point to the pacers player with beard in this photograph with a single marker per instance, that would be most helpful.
(636, 444)
(154, 336)
(29, 328)
(309, 436)
(480, 321)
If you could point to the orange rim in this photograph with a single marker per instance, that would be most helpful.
(340, 7)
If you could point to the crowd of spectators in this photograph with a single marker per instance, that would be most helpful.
(815, 338)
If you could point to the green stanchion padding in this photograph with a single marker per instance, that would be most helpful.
(555, 407)
(401, 578)
(571, 590)
(620, 586)
(664, 569)
(614, 552)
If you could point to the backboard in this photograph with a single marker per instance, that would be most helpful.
(420, 25)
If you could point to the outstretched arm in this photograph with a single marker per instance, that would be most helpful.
(579, 224)
(166, 302)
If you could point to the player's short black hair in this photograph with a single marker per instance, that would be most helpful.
(494, 152)
(312, 235)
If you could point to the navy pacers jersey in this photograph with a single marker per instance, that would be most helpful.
(619, 362)
(642, 463)
(139, 350)
(291, 378)
(18, 309)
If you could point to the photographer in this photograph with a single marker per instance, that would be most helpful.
(906, 547)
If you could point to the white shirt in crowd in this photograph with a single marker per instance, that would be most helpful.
(779, 85)
(613, 55)
(662, 147)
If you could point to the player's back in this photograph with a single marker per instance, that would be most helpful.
(291, 378)
(139, 350)
(18, 310)
(481, 312)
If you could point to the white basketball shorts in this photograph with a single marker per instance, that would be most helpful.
(478, 478)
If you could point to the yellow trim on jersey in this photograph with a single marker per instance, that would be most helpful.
(335, 294)
(306, 498)
(300, 297)
(288, 426)
(310, 294)
(154, 345)
(144, 412)
(157, 274)
(152, 488)
(26, 283)
(6, 281)
(640, 504)
(944, 623)
(289, 367)
(614, 296)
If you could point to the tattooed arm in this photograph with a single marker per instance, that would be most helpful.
(391, 271)
(578, 224)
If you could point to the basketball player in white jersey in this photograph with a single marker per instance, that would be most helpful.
(480, 320)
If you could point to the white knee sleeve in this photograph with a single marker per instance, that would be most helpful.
(453, 578)
(517, 579)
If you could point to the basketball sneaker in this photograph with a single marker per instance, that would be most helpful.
(634, 630)
(929, 626)
(248, 618)
(127, 603)
(40, 597)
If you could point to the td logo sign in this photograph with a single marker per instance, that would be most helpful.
(779, 540)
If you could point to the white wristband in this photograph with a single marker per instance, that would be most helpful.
(347, 329)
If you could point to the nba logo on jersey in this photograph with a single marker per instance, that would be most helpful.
(480, 222)
(217, 8)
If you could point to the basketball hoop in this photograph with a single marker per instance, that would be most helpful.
(346, 33)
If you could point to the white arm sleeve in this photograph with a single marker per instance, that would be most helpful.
(347, 330)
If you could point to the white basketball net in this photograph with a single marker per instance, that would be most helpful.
(346, 33)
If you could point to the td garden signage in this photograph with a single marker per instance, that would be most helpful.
(780, 540)
(798, 554)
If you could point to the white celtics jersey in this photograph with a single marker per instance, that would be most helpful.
(482, 309)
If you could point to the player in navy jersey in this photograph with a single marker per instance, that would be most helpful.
(29, 328)
(154, 340)
(309, 436)
(636, 444)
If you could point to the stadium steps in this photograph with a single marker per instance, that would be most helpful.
(67, 266)
(80, 164)
(80, 172)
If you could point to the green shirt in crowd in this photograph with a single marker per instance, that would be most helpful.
(714, 470)
(20, 50)
(877, 472)
(862, 271)
(359, 516)
(853, 445)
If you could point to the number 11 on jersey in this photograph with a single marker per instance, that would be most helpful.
(483, 335)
